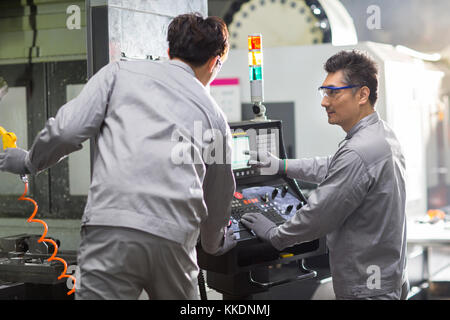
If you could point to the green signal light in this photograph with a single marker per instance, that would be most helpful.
(255, 73)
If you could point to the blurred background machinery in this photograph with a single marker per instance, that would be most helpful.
(49, 48)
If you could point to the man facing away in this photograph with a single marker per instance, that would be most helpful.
(145, 210)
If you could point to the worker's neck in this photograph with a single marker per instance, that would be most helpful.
(201, 73)
(365, 111)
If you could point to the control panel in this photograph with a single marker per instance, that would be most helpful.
(277, 203)
(262, 190)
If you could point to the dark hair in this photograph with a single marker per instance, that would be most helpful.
(358, 68)
(195, 39)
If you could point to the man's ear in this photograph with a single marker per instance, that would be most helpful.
(364, 94)
(211, 63)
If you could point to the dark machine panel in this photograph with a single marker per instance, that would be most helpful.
(24, 266)
(246, 269)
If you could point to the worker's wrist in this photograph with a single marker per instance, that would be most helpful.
(273, 239)
(282, 166)
(29, 166)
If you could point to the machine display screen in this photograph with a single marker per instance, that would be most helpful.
(268, 142)
(240, 159)
(265, 139)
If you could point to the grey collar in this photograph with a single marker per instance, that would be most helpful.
(182, 65)
(364, 122)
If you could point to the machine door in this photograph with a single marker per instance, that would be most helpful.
(36, 92)
(23, 111)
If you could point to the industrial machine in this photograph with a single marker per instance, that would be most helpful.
(308, 21)
(24, 265)
(24, 259)
(254, 266)
(248, 268)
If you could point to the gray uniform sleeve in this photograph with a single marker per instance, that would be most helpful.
(308, 169)
(75, 122)
(218, 190)
(339, 194)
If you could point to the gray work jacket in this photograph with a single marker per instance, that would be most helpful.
(359, 205)
(154, 126)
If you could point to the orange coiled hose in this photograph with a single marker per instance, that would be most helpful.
(43, 239)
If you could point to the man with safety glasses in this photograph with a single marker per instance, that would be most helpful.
(359, 203)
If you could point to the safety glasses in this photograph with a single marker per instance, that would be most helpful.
(331, 92)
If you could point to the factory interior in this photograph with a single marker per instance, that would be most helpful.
(49, 49)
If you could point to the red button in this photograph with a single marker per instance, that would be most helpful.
(238, 195)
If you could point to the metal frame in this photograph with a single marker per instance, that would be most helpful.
(60, 74)
(97, 44)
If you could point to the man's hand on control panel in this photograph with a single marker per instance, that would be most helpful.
(262, 226)
(264, 159)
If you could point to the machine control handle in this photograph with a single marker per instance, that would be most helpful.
(284, 191)
(265, 198)
(289, 209)
(274, 193)
(305, 274)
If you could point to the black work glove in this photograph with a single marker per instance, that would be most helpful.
(13, 160)
(262, 226)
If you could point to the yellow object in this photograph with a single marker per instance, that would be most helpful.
(286, 255)
(8, 138)
(439, 214)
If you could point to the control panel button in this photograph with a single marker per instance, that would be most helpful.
(238, 195)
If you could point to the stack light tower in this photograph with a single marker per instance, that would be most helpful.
(255, 64)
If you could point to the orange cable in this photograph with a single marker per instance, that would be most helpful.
(43, 239)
